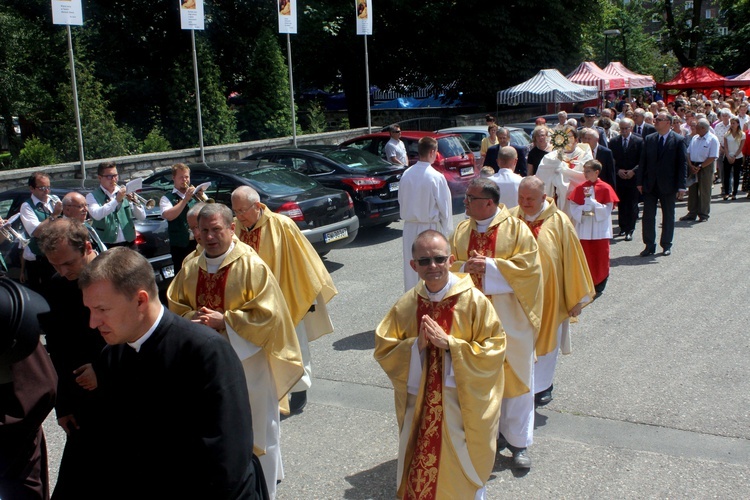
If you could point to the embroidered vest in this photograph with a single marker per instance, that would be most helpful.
(122, 217)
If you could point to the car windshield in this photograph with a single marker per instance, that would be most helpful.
(278, 180)
(452, 146)
(358, 159)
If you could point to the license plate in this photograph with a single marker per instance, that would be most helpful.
(467, 171)
(167, 272)
(393, 186)
(336, 235)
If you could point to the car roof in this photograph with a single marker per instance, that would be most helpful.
(409, 134)
(234, 166)
(475, 128)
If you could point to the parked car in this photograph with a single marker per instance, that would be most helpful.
(473, 135)
(325, 216)
(371, 181)
(454, 159)
(151, 240)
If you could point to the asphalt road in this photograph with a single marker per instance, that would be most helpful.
(652, 403)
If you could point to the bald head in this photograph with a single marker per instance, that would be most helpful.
(245, 193)
(507, 157)
(531, 195)
(74, 206)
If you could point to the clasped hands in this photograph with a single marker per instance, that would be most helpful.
(209, 317)
(431, 332)
(476, 263)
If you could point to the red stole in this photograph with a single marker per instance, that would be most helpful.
(535, 226)
(251, 237)
(484, 244)
(210, 289)
(422, 474)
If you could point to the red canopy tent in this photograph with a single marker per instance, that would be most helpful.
(699, 77)
(588, 73)
(636, 81)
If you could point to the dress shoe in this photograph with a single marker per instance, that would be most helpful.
(622, 233)
(629, 237)
(702, 219)
(687, 218)
(502, 443)
(648, 251)
(297, 401)
(667, 252)
(543, 398)
(521, 459)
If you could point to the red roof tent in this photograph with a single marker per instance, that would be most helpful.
(699, 77)
(588, 73)
(636, 81)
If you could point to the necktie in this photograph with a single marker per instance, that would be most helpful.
(625, 144)
(638, 131)
(661, 143)
(41, 206)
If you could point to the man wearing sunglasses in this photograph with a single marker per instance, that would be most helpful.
(445, 327)
(501, 254)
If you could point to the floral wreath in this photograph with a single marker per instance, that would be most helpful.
(559, 139)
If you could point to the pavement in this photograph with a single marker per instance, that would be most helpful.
(652, 402)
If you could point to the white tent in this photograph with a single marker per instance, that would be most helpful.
(547, 86)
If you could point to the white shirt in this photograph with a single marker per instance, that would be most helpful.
(720, 129)
(395, 147)
(99, 212)
(424, 197)
(507, 181)
(703, 147)
(164, 202)
(30, 221)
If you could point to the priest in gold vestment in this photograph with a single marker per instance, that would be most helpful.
(229, 288)
(502, 257)
(302, 277)
(442, 346)
(567, 281)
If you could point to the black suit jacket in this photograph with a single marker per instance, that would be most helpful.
(604, 156)
(178, 417)
(666, 169)
(648, 129)
(627, 158)
(490, 159)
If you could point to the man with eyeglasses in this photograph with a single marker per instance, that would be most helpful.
(41, 208)
(626, 151)
(75, 207)
(425, 202)
(442, 346)
(501, 255)
(395, 151)
(112, 210)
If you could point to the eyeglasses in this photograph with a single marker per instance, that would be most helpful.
(244, 211)
(662, 119)
(471, 198)
(426, 261)
(43, 188)
(110, 176)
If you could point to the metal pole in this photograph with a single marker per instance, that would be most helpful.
(606, 49)
(75, 104)
(197, 96)
(367, 81)
(291, 88)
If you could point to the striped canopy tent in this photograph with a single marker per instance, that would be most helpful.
(547, 86)
(741, 79)
(588, 73)
(635, 80)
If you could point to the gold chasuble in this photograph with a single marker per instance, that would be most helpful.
(450, 432)
(510, 243)
(246, 292)
(567, 279)
(294, 262)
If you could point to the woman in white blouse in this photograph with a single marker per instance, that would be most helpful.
(733, 142)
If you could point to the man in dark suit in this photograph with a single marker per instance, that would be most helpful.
(503, 137)
(626, 151)
(661, 177)
(640, 127)
(173, 393)
(589, 117)
(602, 154)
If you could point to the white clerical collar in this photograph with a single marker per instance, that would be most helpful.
(438, 296)
(138, 343)
(213, 263)
(482, 225)
(532, 218)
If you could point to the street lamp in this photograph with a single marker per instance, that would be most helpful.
(664, 67)
(607, 34)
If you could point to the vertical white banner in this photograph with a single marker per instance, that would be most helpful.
(287, 10)
(363, 9)
(191, 14)
(67, 12)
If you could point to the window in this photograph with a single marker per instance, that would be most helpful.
(709, 13)
(723, 30)
(688, 5)
(689, 23)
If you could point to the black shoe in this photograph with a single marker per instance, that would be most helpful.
(502, 443)
(297, 401)
(687, 218)
(521, 459)
(667, 252)
(543, 398)
(702, 219)
(629, 237)
(648, 251)
(622, 233)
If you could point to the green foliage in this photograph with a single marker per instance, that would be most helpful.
(730, 54)
(314, 118)
(36, 153)
(181, 120)
(155, 141)
(266, 110)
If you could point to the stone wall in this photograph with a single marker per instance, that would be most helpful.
(146, 164)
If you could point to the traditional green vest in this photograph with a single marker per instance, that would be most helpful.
(42, 216)
(179, 230)
(122, 217)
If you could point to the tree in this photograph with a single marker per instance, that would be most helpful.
(730, 53)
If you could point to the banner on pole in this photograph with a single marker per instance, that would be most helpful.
(191, 14)
(67, 12)
(287, 16)
(364, 16)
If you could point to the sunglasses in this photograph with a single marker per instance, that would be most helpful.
(426, 261)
